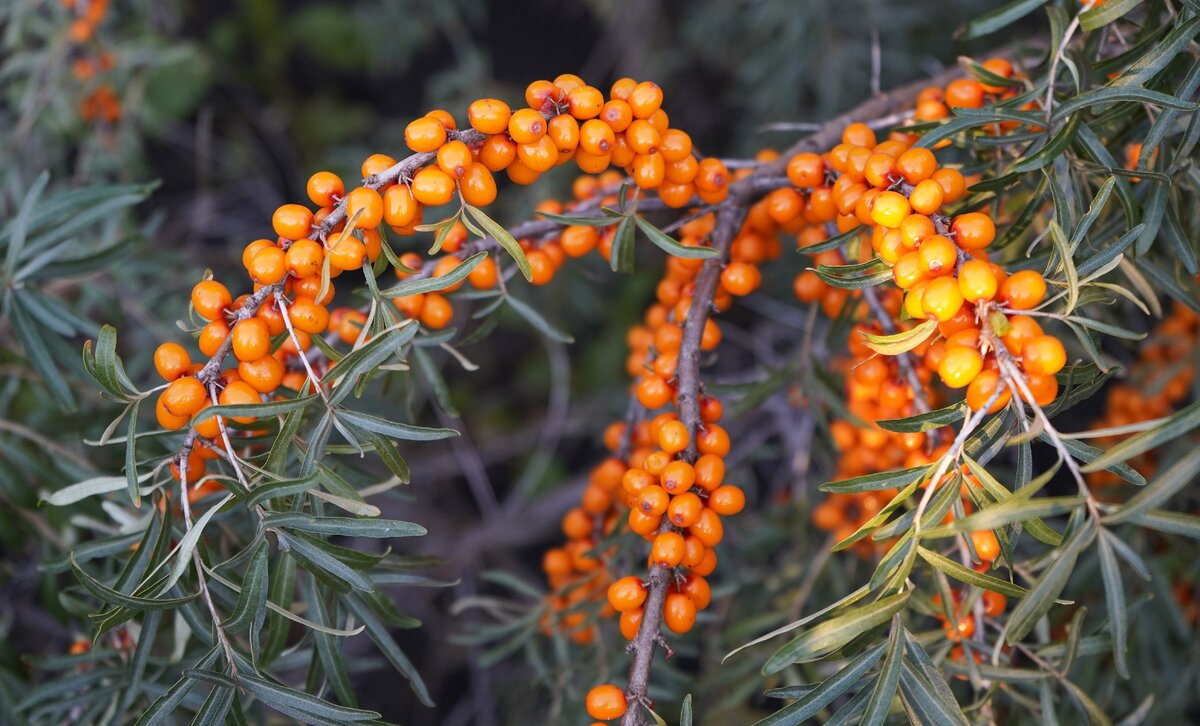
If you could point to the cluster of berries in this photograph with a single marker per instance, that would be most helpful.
(100, 104)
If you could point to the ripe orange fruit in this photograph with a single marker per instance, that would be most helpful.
(263, 375)
(292, 221)
(959, 366)
(210, 299)
(973, 230)
(977, 281)
(432, 187)
(171, 361)
(489, 116)
(679, 612)
(1043, 355)
(251, 339)
(727, 500)
(308, 316)
(367, 205)
(982, 388)
(606, 702)
(184, 397)
(325, 188)
(1023, 290)
(425, 134)
(667, 549)
(627, 593)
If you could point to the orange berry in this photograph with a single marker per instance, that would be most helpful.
(489, 116)
(964, 93)
(166, 419)
(954, 185)
(308, 316)
(1023, 290)
(977, 281)
(606, 702)
(959, 366)
(269, 266)
(806, 170)
(684, 509)
(585, 102)
(436, 311)
(239, 392)
(667, 549)
(1043, 355)
(727, 500)
(630, 622)
(325, 188)
(986, 545)
(171, 361)
(654, 392)
(1044, 389)
(714, 440)
(708, 528)
(304, 258)
(263, 375)
(526, 126)
(677, 477)
(938, 256)
(432, 187)
(916, 165)
(627, 593)
(981, 389)
(292, 221)
(184, 397)
(375, 164)
(740, 278)
(994, 603)
(927, 197)
(478, 187)
(251, 339)
(425, 134)
(367, 205)
(485, 275)
(696, 587)
(645, 99)
(858, 134)
(679, 612)
(973, 230)
(454, 158)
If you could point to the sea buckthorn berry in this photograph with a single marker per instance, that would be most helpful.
(1044, 389)
(973, 230)
(1021, 329)
(740, 278)
(425, 134)
(977, 281)
(252, 249)
(436, 312)
(858, 134)
(964, 93)
(627, 593)
(539, 92)
(710, 471)
(346, 252)
(648, 170)
(269, 266)
(916, 165)
(684, 509)
(485, 275)
(879, 169)
(184, 397)
(1043, 355)
(986, 545)
(679, 612)
(927, 197)
(645, 99)
(994, 603)
(711, 176)
(210, 299)
(606, 702)
(630, 622)
(311, 287)
(890, 209)
(171, 361)
(375, 164)
(907, 271)
(653, 392)
(915, 229)
(1023, 290)
(292, 221)
(563, 133)
(953, 184)
(653, 501)
(678, 477)
(443, 117)
(399, 206)
(489, 116)
(981, 389)
(727, 500)
(478, 187)
(937, 255)
(365, 205)
(308, 316)
(596, 137)
(959, 366)
(675, 145)
(585, 102)
(432, 187)
(444, 267)
(251, 339)
(707, 565)
(667, 549)
(708, 528)
(263, 375)
(673, 437)
(325, 188)
(497, 152)
(642, 137)
(304, 258)
(784, 205)
(806, 170)
(454, 158)
(696, 587)
(239, 392)
(166, 419)
(212, 336)
(539, 156)
(579, 240)
(526, 126)
(714, 440)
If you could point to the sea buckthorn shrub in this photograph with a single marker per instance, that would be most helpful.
(910, 303)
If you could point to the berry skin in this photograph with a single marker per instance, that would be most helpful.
(986, 545)
(678, 476)
(367, 205)
(696, 587)
(890, 209)
(263, 375)
(304, 258)
(653, 501)
(251, 339)
(485, 275)
(1043, 355)
(432, 187)
(211, 299)
(376, 164)
(937, 255)
(626, 594)
(184, 397)
(630, 622)
(708, 529)
(964, 93)
(437, 312)
(684, 509)
(806, 170)
(679, 612)
(982, 388)
(645, 99)
(166, 419)
(489, 116)
(1023, 290)
(308, 316)
(713, 440)
(478, 187)
(977, 281)
(653, 392)
(454, 158)
(606, 702)
(526, 126)
(973, 230)
(916, 165)
(292, 221)
(325, 188)
(740, 278)
(269, 266)
(212, 336)
(239, 392)
(171, 361)
(942, 299)
(927, 197)
(667, 549)
(959, 366)
(425, 134)
(727, 500)
(953, 184)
